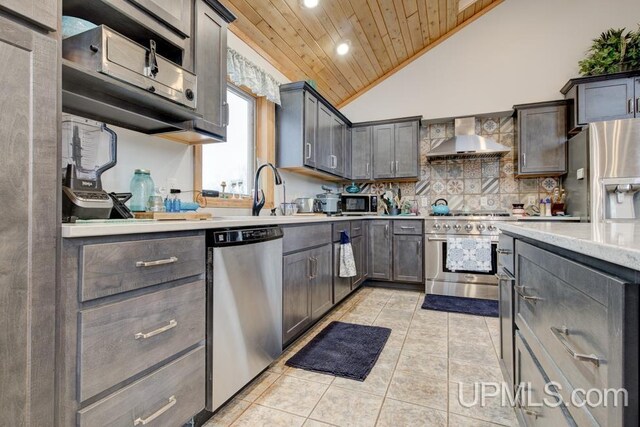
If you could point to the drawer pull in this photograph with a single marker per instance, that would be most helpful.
(357, 229)
(504, 251)
(165, 408)
(520, 290)
(169, 260)
(561, 334)
(524, 408)
(505, 277)
(141, 335)
(404, 227)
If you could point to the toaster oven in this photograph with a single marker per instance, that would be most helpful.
(110, 53)
(359, 204)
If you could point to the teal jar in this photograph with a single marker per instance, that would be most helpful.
(141, 188)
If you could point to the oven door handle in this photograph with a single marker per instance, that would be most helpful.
(444, 239)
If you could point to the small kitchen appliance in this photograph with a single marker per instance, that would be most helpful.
(330, 201)
(308, 205)
(359, 204)
(88, 150)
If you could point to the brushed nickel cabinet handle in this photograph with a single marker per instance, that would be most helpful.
(169, 260)
(630, 106)
(524, 159)
(386, 230)
(315, 267)
(368, 162)
(308, 153)
(418, 247)
(404, 227)
(638, 104)
(226, 114)
(396, 169)
(504, 251)
(505, 277)
(561, 334)
(144, 335)
(520, 290)
(165, 408)
(310, 268)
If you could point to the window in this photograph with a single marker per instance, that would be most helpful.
(234, 161)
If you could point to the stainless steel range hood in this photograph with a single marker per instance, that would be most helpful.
(466, 143)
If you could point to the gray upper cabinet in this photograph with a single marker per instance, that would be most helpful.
(380, 250)
(338, 145)
(41, 12)
(542, 139)
(29, 231)
(324, 139)
(173, 13)
(407, 258)
(383, 152)
(407, 149)
(310, 129)
(361, 152)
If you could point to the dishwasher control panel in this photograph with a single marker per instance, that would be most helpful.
(244, 236)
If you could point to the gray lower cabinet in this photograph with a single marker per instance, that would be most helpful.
(30, 228)
(408, 253)
(361, 152)
(321, 282)
(380, 250)
(507, 326)
(359, 255)
(542, 139)
(136, 353)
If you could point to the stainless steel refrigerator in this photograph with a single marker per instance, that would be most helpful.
(603, 182)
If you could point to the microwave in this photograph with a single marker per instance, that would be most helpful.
(359, 204)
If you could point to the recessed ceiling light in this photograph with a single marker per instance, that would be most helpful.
(310, 4)
(343, 47)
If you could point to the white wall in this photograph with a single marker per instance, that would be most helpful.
(521, 51)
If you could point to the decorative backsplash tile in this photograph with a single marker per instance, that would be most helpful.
(464, 182)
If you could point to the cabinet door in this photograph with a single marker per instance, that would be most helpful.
(358, 255)
(507, 329)
(365, 250)
(380, 249)
(542, 144)
(383, 152)
(42, 12)
(296, 298)
(176, 14)
(406, 150)
(361, 152)
(324, 144)
(321, 283)
(310, 128)
(408, 258)
(637, 95)
(29, 230)
(605, 100)
(341, 285)
(211, 69)
(338, 143)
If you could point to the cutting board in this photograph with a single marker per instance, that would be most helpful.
(172, 216)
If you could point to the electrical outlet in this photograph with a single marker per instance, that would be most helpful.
(483, 201)
(531, 200)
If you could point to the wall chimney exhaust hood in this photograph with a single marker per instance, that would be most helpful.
(466, 144)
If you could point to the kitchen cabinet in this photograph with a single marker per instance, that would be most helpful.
(602, 98)
(310, 129)
(542, 139)
(357, 243)
(173, 13)
(506, 280)
(341, 285)
(396, 150)
(408, 252)
(361, 152)
(380, 250)
(30, 228)
(338, 145)
(331, 141)
(321, 282)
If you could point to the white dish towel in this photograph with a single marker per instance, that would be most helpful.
(468, 254)
(347, 261)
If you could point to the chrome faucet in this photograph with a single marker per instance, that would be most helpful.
(258, 195)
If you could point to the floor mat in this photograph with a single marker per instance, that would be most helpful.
(475, 306)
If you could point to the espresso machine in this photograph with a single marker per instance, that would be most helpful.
(603, 181)
(88, 150)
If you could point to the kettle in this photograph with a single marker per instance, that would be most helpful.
(440, 207)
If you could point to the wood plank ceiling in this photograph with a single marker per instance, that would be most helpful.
(385, 35)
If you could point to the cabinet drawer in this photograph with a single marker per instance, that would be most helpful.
(407, 226)
(529, 375)
(169, 397)
(339, 227)
(305, 236)
(560, 303)
(112, 268)
(357, 228)
(505, 253)
(122, 339)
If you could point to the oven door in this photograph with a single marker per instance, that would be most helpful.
(474, 283)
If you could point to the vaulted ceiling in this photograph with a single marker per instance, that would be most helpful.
(385, 35)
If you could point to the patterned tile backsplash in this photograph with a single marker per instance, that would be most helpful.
(464, 182)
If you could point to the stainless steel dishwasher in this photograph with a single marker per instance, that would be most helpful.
(244, 307)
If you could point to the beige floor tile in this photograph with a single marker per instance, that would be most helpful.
(419, 333)
(292, 395)
(456, 420)
(395, 413)
(473, 352)
(426, 319)
(419, 389)
(347, 408)
(258, 415)
(254, 389)
(426, 346)
(394, 319)
(491, 411)
(396, 339)
(433, 366)
(228, 413)
(303, 374)
(359, 319)
(405, 301)
(470, 372)
(314, 423)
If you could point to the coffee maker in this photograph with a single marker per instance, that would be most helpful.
(88, 150)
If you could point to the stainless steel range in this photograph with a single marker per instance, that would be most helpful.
(473, 284)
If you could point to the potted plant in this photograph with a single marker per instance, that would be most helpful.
(614, 51)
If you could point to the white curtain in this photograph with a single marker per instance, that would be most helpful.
(243, 72)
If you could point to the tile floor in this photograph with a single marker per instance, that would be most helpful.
(414, 383)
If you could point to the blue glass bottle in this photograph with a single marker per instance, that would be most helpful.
(141, 188)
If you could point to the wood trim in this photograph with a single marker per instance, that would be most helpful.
(419, 54)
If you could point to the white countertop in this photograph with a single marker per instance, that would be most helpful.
(110, 228)
(614, 242)
(549, 218)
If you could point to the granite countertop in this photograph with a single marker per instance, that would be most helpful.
(614, 242)
(549, 218)
(110, 228)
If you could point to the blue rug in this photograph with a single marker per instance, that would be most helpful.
(475, 306)
(342, 349)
